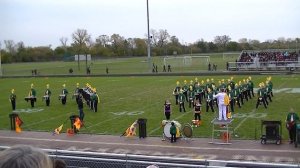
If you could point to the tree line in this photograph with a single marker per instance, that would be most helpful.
(115, 45)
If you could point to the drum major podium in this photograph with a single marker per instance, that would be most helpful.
(224, 128)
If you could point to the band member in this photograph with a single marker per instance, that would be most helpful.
(291, 120)
(191, 96)
(240, 88)
(271, 85)
(196, 82)
(212, 82)
(197, 111)
(209, 100)
(260, 96)
(185, 90)
(76, 93)
(167, 109)
(268, 90)
(80, 107)
(236, 94)
(47, 95)
(95, 100)
(64, 94)
(231, 98)
(32, 95)
(176, 92)
(207, 85)
(265, 93)
(222, 104)
(12, 99)
(202, 93)
(181, 100)
(248, 89)
(232, 83)
(215, 91)
(197, 92)
(251, 86)
(244, 89)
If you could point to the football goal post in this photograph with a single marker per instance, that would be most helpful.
(186, 61)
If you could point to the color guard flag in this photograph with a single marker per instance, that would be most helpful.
(58, 129)
(18, 123)
(131, 131)
(77, 124)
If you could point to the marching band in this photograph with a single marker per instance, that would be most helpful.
(87, 94)
(238, 93)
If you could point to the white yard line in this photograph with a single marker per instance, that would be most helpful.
(42, 121)
(238, 126)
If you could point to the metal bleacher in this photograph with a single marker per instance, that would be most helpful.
(271, 65)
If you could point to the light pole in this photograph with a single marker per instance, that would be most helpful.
(148, 47)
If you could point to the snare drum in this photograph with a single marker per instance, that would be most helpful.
(167, 129)
(46, 97)
(61, 96)
(30, 98)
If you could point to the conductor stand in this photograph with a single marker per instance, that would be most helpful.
(224, 130)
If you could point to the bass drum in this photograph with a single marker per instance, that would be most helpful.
(167, 129)
(187, 131)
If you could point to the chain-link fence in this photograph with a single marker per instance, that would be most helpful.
(108, 160)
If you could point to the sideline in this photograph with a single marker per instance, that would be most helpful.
(148, 145)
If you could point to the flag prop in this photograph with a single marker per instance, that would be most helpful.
(18, 123)
(130, 131)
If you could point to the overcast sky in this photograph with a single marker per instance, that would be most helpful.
(43, 22)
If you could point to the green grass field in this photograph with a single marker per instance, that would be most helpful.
(116, 66)
(125, 99)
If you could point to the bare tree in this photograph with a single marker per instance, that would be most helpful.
(10, 46)
(222, 41)
(154, 37)
(80, 39)
(63, 41)
(103, 40)
(163, 37)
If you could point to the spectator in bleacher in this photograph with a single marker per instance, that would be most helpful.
(59, 163)
(23, 156)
